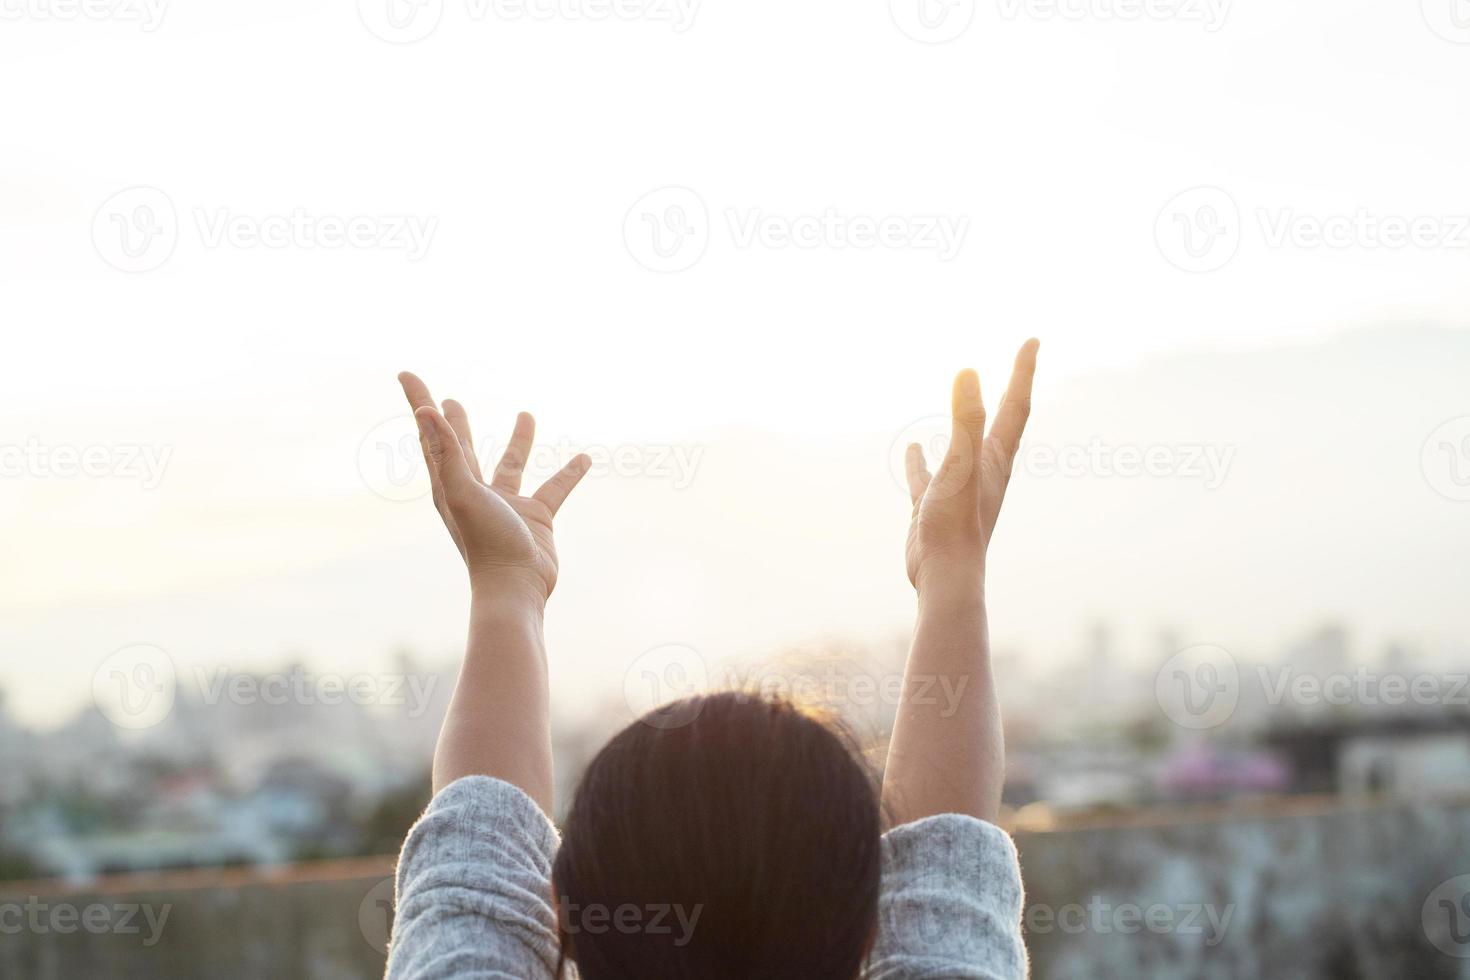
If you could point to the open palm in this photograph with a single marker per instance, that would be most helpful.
(497, 530)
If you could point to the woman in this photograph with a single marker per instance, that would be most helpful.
(728, 836)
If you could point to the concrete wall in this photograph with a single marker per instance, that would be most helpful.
(1337, 895)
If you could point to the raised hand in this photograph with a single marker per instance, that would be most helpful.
(504, 538)
(955, 510)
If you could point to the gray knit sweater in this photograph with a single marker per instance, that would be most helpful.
(474, 895)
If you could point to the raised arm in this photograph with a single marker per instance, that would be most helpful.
(498, 723)
(947, 755)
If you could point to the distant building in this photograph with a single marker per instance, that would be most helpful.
(1401, 756)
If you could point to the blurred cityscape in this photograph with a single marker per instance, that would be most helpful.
(273, 781)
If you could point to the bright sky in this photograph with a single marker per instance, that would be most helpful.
(1033, 175)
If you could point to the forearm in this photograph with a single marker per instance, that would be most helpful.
(498, 723)
(947, 751)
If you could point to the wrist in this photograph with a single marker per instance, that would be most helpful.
(951, 585)
(507, 591)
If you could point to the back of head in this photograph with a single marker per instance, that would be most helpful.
(726, 836)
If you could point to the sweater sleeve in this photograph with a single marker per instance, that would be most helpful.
(473, 888)
(950, 903)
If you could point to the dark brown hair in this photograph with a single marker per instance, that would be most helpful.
(755, 817)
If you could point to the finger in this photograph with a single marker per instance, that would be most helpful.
(418, 397)
(446, 455)
(459, 421)
(513, 463)
(415, 391)
(967, 435)
(554, 491)
(916, 470)
(968, 410)
(1015, 406)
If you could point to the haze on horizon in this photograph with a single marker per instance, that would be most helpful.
(1297, 498)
